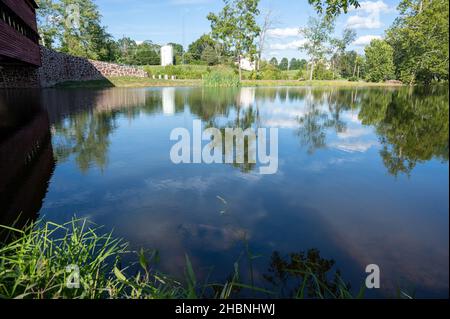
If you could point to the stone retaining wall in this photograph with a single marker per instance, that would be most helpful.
(59, 67)
(18, 77)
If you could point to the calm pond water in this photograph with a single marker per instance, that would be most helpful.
(363, 178)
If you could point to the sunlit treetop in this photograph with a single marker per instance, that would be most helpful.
(333, 8)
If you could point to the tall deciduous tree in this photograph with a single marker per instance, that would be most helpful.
(379, 61)
(236, 28)
(284, 64)
(274, 61)
(317, 36)
(420, 39)
(209, 56)
(75, 26)
(47, 18)
(340, 46)
(297, 64)
(197, 47)
(267, 23)
(147, 53)
(333, 8)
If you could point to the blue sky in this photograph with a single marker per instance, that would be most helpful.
(183, 21)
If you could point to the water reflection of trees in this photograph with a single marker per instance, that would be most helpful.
(412, 126)
(304, 273)
(244, 118)
(210, 103)
(87, 136)
(323, 110)
(301, 275)
(83, 120)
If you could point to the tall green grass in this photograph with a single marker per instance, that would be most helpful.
(36, 264)
(221, 79)
(182, 72)
(34, 261)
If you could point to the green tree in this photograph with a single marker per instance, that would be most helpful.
(47, 22)
(127, 48)
(274, 61)
(301, 64)
(85, 37)
(345, 64)
(75, 26)
(332, 8)
(379, 61)
(236, 28)
(197, 47)
(178, 53)
(359, 67)
(297, 64)
(284, 64)
(339, 46)
(209, 56)
(420, 39)
(147, 53)
(317, 35)
(293, 64)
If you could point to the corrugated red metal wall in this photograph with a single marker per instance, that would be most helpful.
(24, 10)
(14, 44)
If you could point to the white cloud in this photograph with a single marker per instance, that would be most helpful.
(370, 17)
(369, 22)
(353, 133)
(354, 147)
(293, 45)
(283, 32)
(365, 40)
(372, 7)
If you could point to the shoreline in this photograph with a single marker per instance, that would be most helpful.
(126, 82)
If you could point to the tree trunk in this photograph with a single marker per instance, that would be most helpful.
(332, 67)
(240, 70)
(312, 71)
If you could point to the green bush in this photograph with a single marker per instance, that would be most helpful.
(321, 72)
(271, 72)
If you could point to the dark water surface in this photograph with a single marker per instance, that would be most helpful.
(362, 179)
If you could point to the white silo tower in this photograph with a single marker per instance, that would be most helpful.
(166, 55)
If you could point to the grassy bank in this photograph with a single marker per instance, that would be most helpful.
(314, 83)
(128, 82)
(132, 82)
(43, 261)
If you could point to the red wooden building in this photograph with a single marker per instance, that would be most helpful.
(19, 37)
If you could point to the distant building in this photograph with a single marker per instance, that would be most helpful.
(19, 37)
(167, 55)
(247, 65)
